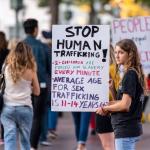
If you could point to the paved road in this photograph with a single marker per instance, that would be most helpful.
(66, 139)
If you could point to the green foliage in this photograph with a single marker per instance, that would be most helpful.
(144, 2)
(43, 3)
(81, 2)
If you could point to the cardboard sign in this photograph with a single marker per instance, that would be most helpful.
(137, 29)
(80, 67)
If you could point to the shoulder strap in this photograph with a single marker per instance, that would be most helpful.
(3, 68)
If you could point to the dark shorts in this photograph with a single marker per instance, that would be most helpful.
(103, 124)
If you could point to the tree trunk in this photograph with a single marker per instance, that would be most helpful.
(54, 7)
(92, 13)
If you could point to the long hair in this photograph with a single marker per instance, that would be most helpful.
(114, 74)
(3, 41)
(133, 61)
(19, 60)
(13, 43)
(112, 57)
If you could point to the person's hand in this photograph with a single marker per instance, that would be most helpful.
(101, 111)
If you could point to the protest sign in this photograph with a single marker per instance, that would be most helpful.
(80, 67)
(137, 29)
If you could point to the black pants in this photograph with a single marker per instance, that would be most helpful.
(2, 132)
(145, 102)
(39, 103)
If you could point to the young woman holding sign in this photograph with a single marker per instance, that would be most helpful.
(126, 111)
(103, 123)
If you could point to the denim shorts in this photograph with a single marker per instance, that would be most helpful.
(128, 143)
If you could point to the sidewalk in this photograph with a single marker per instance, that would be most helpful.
(66, 138)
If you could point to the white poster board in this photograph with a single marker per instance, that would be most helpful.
(137, 29)
(80, 67)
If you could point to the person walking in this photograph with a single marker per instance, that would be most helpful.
(21, 80)
(3, 49)
(52, 116)
(81, 123)
(126, 110)
(3, 54)
(40, 52)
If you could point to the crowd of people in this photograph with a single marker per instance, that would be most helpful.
(27, 109)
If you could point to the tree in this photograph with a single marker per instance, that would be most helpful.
(54, 7)
(144, 2)
(130, 8)
(43, 3)
(54, 4)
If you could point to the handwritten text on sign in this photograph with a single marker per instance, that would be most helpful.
(80, 62)
(137, 29)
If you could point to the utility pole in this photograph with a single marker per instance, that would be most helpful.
(17, 5)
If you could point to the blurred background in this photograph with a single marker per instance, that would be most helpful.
(76, 12)
(48, 12)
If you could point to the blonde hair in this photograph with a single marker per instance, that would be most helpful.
(19, 60)
(12, 44)
(133, 61)
(112, 57)
(114, 74)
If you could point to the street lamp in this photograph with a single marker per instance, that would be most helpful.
(17, 5)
